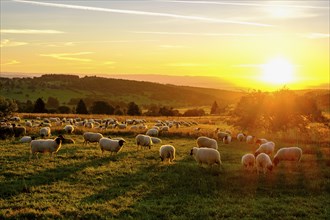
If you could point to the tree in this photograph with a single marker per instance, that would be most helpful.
(7, 106)
(194, 112)
(101, 107)
(64, 109)
(39, 106)
(81, 107)
(52, 103)
(133, 109)
(214, 108)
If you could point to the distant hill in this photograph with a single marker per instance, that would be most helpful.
(70, 88)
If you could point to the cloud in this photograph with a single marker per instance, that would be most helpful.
(68, 56)
(146, 13)
(12, 62)
(316, 35)
(29, 31)
(9, 43)
(197, 34)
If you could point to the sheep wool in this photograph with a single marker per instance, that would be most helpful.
(44, 132)
(152, 132)
(46, 145)
(207, 142)
(143, 141)
(241, 137)
(167, 152)
(69, 129)
(263, 163)
(267, 148)
(114, 146)
(92, 137)
(156, 140)
(207, 156)
(248, 161)
(288, 154)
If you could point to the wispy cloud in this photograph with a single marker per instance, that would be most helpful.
(316, 35)
(68, 56)
(9, 43)
(29, 31)
(197, 34)
(247, 4)
(145, 13)
(12, 62)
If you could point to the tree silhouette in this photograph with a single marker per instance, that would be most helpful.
(214, 108)
(133, 109)
(52, 103)
(39, 106)
(81, 107)
(101, 107)
(7, 106)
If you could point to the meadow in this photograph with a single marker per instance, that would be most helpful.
(80, 183)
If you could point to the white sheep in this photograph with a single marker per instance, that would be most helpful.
(261, 141)
(207, 142)
(44, 132)
(152, 132)
(207, 156)
(92, 137)
(248, 161)
(250, 139)
(46, 145)
(167, 152)
(287, 154)
(221, 135)
(26, 139)
(114, 146)
(241, 137)
(267, 148)
(156, 140)
(143, 141)
(226, 139)
(69, 129)
(263, 163)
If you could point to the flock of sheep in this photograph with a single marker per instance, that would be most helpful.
(205, 152)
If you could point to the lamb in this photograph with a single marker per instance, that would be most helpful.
(263, 163)
(248, 161)
(92, 137)
(241, 137)
(207, 142)
(287, 154)
(152, 132)
(167, 152)
(19, 130)
(143, 140)
(226, 139)
(26, 139)
(69, 129)
(46, 145)
(156, 140)
(207, 156)
(44, 132)
(267, 148)
(250, 139)
(221, 135)
(114, 146)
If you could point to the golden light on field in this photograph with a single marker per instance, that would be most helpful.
(277, 71)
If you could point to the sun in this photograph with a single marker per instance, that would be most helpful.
(277, 71)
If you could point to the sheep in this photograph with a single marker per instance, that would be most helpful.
(287, 154)
(69, 129)
(92, 137)
(248, 161)
(143, 140)
(121, 126)
(156, 140)
(267, 148)
(46, 145)
(152, 132)
(6, 132)
(26, 139)
(114, 146)
(207, 156)
(226, 139)
(263, 163)
(241, 137)
(165, 129)
(167, 152)
(220, 135)
(18, 130)
(89, 124)
(44, 132)
(207, 142)
(68, 141)
(28, 123)
(261, 141)
(250, 139)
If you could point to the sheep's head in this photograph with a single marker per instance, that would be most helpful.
(275, 161)
(270, 168)
(256, 153)
(161, 158)
(121, 142)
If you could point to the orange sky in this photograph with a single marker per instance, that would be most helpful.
(239, 42)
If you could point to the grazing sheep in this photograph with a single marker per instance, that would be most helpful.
(261, 141)
(114, 146)
(241, 137)
(207, 142)
(46, 145)
(207, 156)
(226, 139)
(263, 163)
(267, 148)
(152, 132)
(44, 132)
(121, 126)
(143, 140)
(69, 129)
(18, 130)
(6, 132)
(28, 123)
(68, 141)
(250, 139)
(167, 152)
(92, 137)
(165, 129)
(221, 135)
(156, 140)
(248, 161)
(26, 139)
(287, 154)
(89, 124)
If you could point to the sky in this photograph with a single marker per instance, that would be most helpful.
(251, 44)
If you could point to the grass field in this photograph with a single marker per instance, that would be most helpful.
(81, 184)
